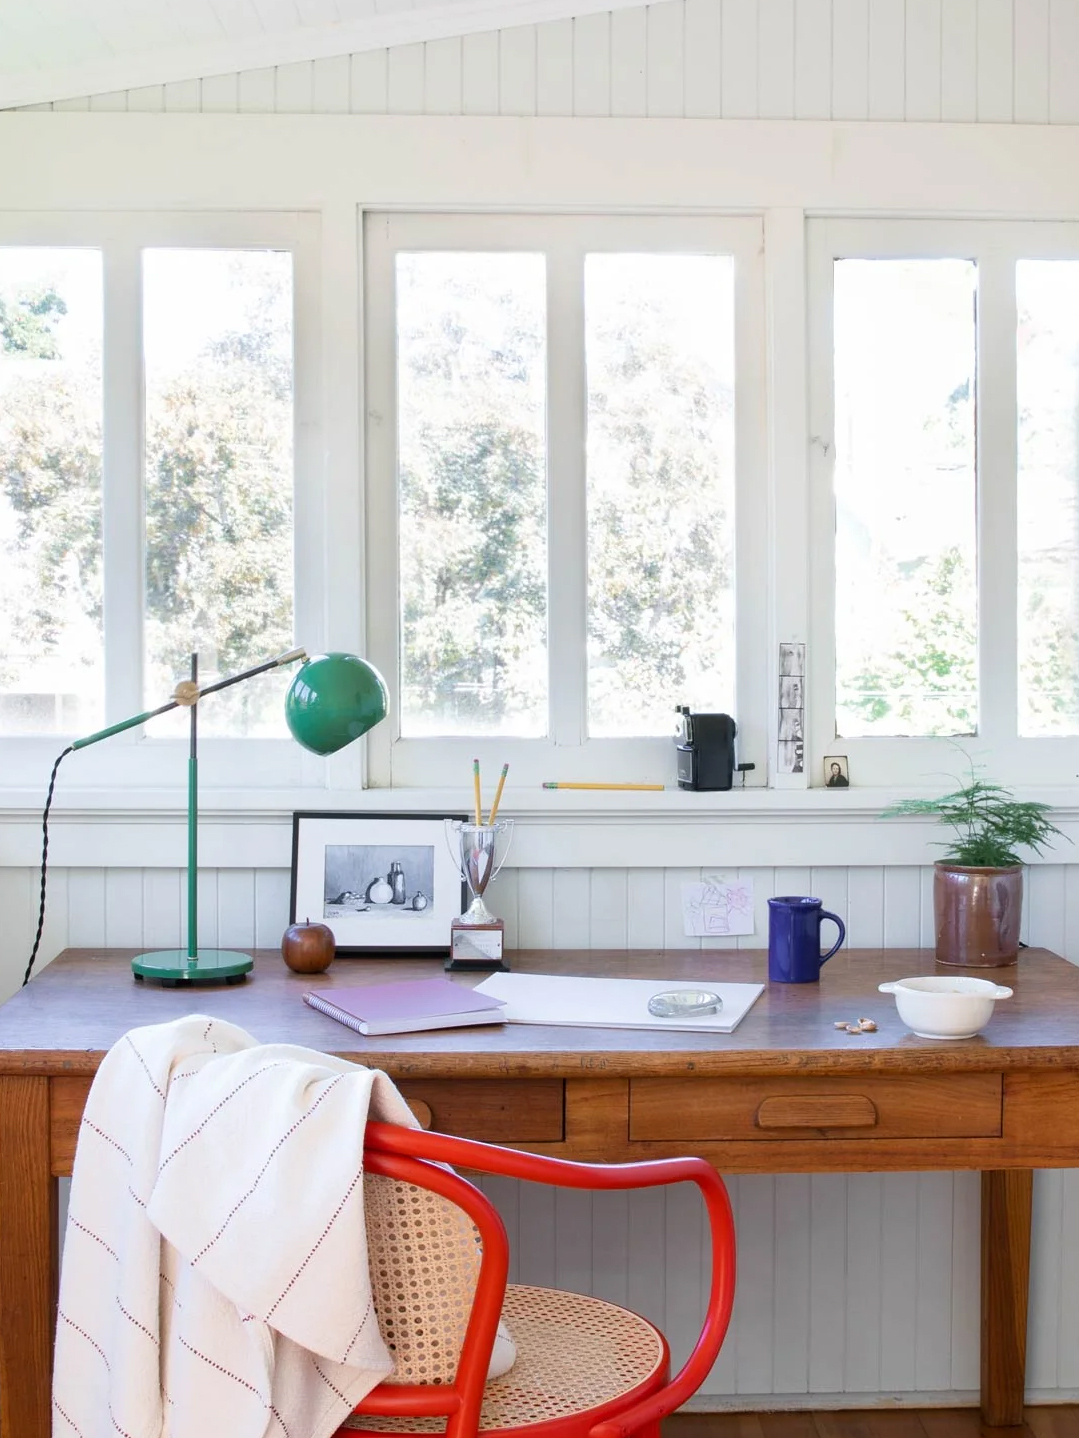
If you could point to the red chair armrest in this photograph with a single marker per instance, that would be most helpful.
(534, 1167)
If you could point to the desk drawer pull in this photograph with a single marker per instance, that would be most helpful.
(421, 1112)
(818, 1111)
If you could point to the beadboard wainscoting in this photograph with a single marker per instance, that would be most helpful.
(855, 1289)
(579, 908)
(980, 60)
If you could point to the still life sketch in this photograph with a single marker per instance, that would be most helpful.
(387, 880)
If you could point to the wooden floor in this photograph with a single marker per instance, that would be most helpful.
(893, 1423)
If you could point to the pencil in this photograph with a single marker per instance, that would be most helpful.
(476, 787)
(564, 785)
(498, 793)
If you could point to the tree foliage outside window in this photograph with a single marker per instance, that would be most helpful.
(1047, 383)
(51, 650)
(218, 485)
(905, 482)
(472, 517)
(659, 334)
(472, 477)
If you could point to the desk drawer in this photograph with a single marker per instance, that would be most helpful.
(494, 1110)
(876, 1106)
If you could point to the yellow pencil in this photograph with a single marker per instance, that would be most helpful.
(498, 793)
(563, 785)
(476, 787)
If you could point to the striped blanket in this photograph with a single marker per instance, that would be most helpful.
(215, 1277)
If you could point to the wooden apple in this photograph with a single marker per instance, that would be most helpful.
(308, 948)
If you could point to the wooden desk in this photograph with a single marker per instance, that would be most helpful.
(786, 1093)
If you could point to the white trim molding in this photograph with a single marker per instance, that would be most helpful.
(567, 830)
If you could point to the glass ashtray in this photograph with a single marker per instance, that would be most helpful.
(684, 1004)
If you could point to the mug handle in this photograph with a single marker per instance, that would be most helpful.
(842, 933)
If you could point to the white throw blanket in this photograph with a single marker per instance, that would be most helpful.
(215, 1280)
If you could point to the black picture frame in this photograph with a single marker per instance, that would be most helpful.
(364, 920)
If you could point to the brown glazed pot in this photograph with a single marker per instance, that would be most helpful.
(977, 914)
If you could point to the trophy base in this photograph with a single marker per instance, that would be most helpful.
(477, 946)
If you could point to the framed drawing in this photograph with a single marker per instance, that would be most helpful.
(384, 883)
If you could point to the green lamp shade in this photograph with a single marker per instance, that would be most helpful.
(333, 699)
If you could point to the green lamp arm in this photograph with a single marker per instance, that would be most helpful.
(290, 658)
(189, 697)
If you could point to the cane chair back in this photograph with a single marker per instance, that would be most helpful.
(585, 1368)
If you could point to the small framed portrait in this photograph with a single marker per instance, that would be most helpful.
(384, 883)
(836, 771)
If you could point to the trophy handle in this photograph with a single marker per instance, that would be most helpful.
(452, 830)
(501, 826)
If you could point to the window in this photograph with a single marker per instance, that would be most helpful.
(52, 673)
(574, 444)
(150, 430)
(944, 386)
(217, 348)
(1047, 376)
(472, 531)
(905, 544)
(659, 357)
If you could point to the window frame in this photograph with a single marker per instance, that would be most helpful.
(135, 759)
(995, 246)
(566, 753)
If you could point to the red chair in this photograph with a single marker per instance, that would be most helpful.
(585, 1368)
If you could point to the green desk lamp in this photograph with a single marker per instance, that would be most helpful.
(333, 699)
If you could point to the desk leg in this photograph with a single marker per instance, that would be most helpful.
(1006, 1207)
(27, 1259)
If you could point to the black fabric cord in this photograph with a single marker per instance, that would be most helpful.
(44, 864)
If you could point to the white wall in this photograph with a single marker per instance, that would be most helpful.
(982, 60)
(543, 908)
(851, 1288)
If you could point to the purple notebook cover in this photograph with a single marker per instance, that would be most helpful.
(409, 999)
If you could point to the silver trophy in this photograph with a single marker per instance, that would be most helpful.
(477, 937)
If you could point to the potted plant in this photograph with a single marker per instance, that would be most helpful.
(978, 885)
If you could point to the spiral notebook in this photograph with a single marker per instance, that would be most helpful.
(407, 1007)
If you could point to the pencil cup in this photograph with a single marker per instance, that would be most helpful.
(477, 937)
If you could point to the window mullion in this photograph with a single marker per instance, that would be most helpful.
(122, 489)
(789, 499)
(820, 521)
(997, 563)
(567, 514)
(377, 268)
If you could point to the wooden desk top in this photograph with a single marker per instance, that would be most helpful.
(76, 1008)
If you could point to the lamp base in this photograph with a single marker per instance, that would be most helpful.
(172, 967)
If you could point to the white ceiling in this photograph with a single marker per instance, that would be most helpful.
(58, 49)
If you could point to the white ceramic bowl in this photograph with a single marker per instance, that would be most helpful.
(946, 1007)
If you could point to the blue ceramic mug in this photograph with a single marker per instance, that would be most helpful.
(794, 955)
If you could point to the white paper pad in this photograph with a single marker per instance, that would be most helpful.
(612, 1003)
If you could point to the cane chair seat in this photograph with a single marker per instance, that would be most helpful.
(574, 1354)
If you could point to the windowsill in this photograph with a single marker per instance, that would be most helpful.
(122, 805)
(742, 829)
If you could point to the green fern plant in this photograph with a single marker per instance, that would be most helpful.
(990, 826)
